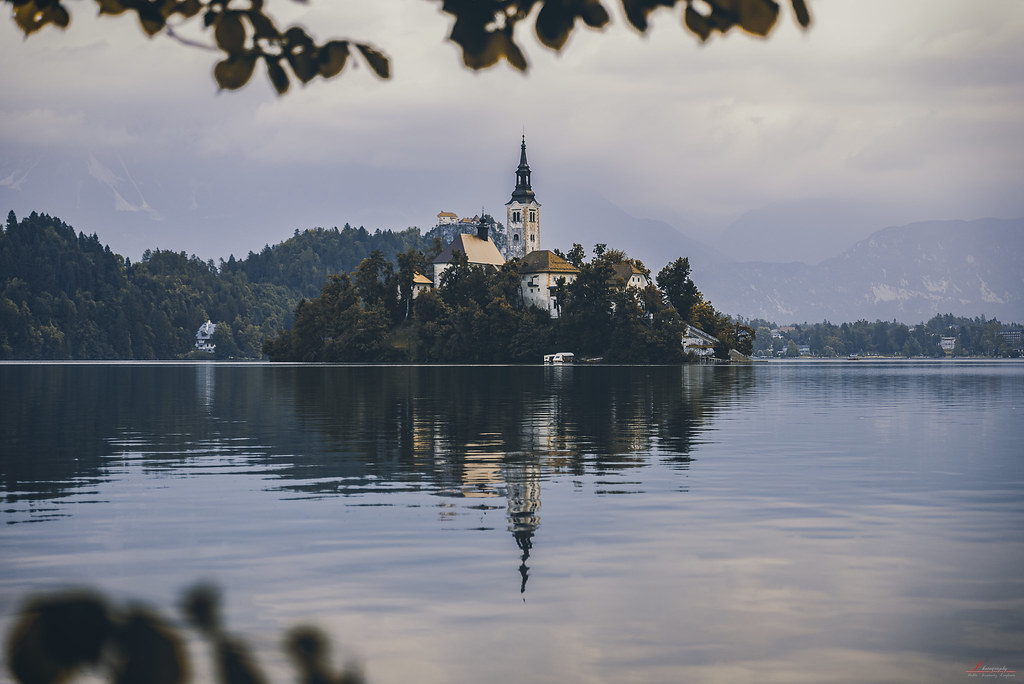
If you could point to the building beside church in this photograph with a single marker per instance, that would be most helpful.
(541, 273)
(479, 249)
(628, 275)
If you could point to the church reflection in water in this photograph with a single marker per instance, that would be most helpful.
(469, 432)
(477, 442)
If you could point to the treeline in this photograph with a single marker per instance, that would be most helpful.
(970, 337)
(476, 315)
(304, 262)
(64, 295)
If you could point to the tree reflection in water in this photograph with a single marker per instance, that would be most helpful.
(464, 432)
(456, 431)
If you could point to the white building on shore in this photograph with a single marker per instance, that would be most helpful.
(203, 336)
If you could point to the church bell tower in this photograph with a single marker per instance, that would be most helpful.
(523, 213)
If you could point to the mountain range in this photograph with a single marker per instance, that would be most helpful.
(907, 273)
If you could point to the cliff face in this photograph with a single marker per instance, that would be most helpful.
(495, 231)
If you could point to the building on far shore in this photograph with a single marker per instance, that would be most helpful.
(699, 342)
(203, 336)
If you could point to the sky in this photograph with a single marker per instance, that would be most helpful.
(882, 113)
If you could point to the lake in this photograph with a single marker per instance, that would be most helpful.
(777, 522)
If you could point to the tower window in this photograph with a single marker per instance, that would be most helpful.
(515, 238)
(515, 217)
(533, 215)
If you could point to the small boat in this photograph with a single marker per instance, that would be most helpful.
(853, 357)
(560, 357)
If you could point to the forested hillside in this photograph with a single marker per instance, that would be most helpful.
(64, 295)
(304, 262)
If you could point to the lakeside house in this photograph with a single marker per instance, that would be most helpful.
(203, 336)
(699, 342)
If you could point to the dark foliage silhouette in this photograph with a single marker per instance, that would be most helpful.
(485, 30)
(58, 635)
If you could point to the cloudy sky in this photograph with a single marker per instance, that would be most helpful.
(882, 113)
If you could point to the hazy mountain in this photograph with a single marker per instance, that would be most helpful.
(807, 230)
(908, 273)
(590, 218)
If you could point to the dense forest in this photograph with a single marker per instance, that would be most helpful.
(346, 295)
(66, 296)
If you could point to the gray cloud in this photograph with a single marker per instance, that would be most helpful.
(915, 107)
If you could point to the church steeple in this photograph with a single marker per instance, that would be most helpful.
(523, 212)
(523, 192)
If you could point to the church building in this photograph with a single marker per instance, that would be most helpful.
(523, 212)
(541, 271)
(479, 250)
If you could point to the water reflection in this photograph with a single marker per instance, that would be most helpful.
(836, 514)
(471, 433)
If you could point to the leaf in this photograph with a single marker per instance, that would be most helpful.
(296, 36)
(594, 14)
(262, 25)
(637, 11)
(277, 75)
(150, 19)
(60, 16)
(31, 17)
(803, 16)
(697, 23)
(234, 72)
(111, 6)
(514, 55)
(303, 65)
(554, 24)
(332, 58)
(189, 8)
(377, 61)
(230, 33)
(758, 16)
(487, 53)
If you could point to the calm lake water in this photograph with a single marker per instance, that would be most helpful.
(781, 522)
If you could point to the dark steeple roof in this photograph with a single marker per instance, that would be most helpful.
(523, 192)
